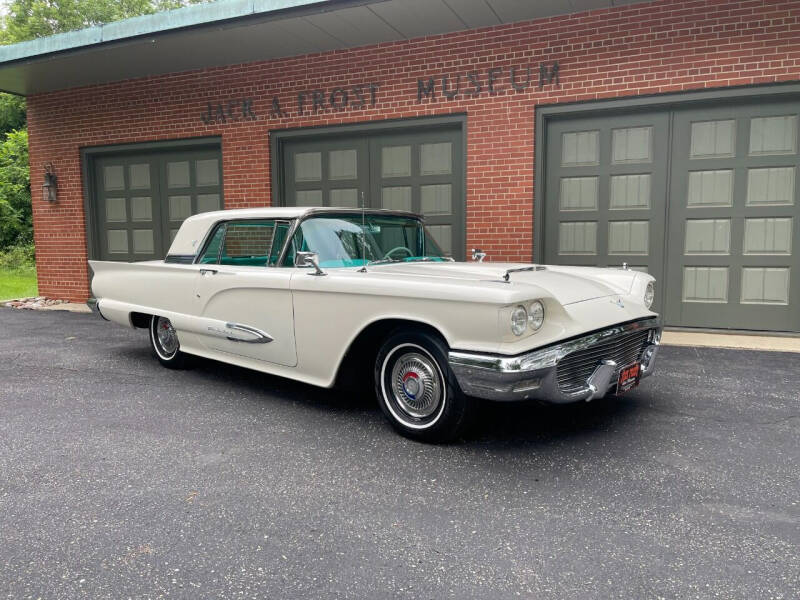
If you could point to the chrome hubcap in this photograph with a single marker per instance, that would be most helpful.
(167, 338)
(415, 385)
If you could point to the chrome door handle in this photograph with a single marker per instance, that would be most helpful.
(204, 271)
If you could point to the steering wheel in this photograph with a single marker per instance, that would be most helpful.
(398, 249)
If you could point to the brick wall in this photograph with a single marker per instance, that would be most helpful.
(665, 46)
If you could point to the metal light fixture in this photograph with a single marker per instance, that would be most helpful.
(50, 185)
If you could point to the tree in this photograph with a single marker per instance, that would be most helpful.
(29, 19)
(12, 113)
(15, 190)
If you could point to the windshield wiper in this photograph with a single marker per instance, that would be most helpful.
(419, 259)
(430, 259)
(385, 261)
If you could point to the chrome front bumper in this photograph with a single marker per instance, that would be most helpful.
(533, 375)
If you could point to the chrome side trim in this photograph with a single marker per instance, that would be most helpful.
(507, 274)
(260, 337)
(533, 375)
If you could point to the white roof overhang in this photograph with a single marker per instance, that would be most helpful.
(239, 31)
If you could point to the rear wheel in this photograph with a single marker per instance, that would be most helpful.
(165, 345)
(416, 389)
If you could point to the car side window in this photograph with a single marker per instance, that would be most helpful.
(211, 255)
(247, 243)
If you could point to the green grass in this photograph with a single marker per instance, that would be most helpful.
(18, 283)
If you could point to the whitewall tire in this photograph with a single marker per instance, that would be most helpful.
(165, 345)
(416, 389)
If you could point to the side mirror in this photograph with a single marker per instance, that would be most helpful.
(308, 259)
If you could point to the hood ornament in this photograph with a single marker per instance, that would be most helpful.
(478, 254)
(618, 301)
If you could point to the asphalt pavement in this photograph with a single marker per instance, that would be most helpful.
(119, 478)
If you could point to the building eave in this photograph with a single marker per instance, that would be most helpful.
(231, 32)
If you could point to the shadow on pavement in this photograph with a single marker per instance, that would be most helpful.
(522, 423)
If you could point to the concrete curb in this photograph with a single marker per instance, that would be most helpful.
(729, 340)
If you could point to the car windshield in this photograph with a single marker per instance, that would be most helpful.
(350, 240)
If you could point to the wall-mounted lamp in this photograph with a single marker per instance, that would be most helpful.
(50, 185)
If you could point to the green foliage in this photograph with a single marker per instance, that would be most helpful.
(18, 258)
(29, 19)
(12, 113)
(16, 221)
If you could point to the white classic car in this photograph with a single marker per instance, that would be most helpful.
(328, 295)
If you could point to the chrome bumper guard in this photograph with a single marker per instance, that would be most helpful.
(532, 376)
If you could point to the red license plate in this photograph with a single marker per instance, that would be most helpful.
(628, 378)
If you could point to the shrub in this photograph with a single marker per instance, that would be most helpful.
(17, 257)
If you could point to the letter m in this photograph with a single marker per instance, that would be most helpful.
(424, 88)
(548, 77)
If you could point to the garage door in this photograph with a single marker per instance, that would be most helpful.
(420, 172)
(141, 200)
(606, 192)
(733, 234)
(705, 199)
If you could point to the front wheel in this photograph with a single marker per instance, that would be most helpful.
(165, 345)
(416, 389)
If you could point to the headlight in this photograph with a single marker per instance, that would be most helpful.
(649, 294)
(536, 315)
(519, 320)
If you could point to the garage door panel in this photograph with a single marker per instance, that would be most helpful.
(418, 171)
(630, 191)
(733, 216)
(423, 172)
(140, 200)
(771, 186)
(605, 189)
(191, 183)
(331, 172)
(127, 220)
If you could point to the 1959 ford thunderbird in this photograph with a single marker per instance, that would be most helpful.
(328, 295)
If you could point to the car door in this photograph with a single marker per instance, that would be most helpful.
(243, 301)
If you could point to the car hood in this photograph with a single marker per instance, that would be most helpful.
(568, 285)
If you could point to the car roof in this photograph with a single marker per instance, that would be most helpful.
(194, 229)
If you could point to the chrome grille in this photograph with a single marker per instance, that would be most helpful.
(574, 369)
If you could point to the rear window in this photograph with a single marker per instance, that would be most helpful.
(246, 243)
